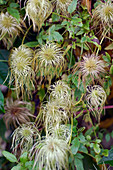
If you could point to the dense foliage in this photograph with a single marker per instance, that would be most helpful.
(56, 72)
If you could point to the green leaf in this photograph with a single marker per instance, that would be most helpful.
(14, 5)
(77, 22)
(107, 137)
(82, 148)
(9, 156)
(24, 157)
(96, 148)
(57, 36)
(75, 145)
(18, 167)
(2, 2)
(107, 160)
(111, 69)
(4, 54)
(82, 138)
(14, 13)
(31, 44)
(55, 17)
(106, 58)
(78, 163)
(72, 6)
(1, 102)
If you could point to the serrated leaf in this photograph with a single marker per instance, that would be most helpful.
(57, 36)
(14, 13)
(72, 6)
(10, 156)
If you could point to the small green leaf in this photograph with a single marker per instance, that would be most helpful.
(98, 158)
(14, 5)
(31, 44)
(57, 36)
(106, 58)
(10, 156)
(72, 6)
(23, 157)
(78, 163)
(18, 167)
(2, 2)
(82, 148)
(75, 145)
(96, 148)
(111, 69)
(55, 17)
(105, 152)
(14, 13)
(107, 137)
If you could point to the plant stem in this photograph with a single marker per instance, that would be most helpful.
(71, 128)
(61, 16)
(26, 34)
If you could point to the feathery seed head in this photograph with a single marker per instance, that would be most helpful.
(56, 111)
(23, 137)
(96, 98)
(103, 14)
(38, 11)
(49, 58)
(21, 60)
(60, 90)
(51, 154)
(60, 131)
(62, 5)
(92, 66)
(16, 113)
(9, 29)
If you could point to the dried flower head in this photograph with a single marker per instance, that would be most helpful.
(60, 131)
(50, 154)
(49, 59)
(38, 11)
(103, 14)
(91, 67)
(16, 113)
(56, 111)
(95, 98)
(24, 136)
(60, 90)
(9, 29)
(21, 61)
(62, 5)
